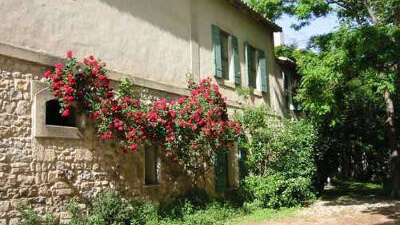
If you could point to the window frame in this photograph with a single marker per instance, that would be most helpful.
(229, 77)
(258, 78)
(253, 50)
(41, 93)
(153, 179)
(226, 75)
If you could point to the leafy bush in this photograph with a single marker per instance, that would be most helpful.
(191, 201)
(108, 208)
(277, 191)
(280, 158)
(30, 217)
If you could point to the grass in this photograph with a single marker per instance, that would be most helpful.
(261, 215)
(352, 189)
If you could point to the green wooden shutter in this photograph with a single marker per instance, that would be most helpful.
(236, 60)
(249, 62)
(221, 170)
(262, 67)
(216, 47)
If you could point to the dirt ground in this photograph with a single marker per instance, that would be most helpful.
(347, 212)
(348, 206)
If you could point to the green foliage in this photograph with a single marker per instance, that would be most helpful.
(342, 93)
(277, 190)
(109, 208)
(126, 88)
(30, 217)
(277, 145)
(280, 158)
(360, 12)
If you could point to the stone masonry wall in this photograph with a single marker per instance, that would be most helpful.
(45, 173)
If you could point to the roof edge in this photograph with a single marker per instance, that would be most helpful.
(245, 8)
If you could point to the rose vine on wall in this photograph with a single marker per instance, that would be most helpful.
(191, 128)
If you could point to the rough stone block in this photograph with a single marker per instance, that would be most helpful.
(4, 167)
(3, 221)
(62, 192)
(4, 206)
(14, 221)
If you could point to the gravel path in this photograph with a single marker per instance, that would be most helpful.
(345, 212)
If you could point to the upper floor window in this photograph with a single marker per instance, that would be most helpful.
(256, 68)
(251, 66)
(225, 59)
(226, 62)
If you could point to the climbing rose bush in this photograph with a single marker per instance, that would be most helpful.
(191, 128)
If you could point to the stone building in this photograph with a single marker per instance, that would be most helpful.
(156, 43)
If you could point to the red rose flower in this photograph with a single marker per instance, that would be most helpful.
(66, 113)
(133, 147)
(69, 54)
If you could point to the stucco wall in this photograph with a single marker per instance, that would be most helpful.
(155, 39)
(233, 21)
(46, 172)
(149, 39)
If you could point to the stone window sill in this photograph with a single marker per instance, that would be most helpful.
(257, 93)
(151, 186)
(58, 132)
(228, 83)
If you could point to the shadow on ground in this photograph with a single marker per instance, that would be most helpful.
(391, 212)
(349, 193)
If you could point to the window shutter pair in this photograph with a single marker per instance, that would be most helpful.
(217, 55)
(262, 66)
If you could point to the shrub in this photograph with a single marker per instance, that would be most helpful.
(30, 217)
(279, 160)
(277, 191)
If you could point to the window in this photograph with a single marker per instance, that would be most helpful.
(46, 119)
(226, 62)
(256, 68)
(221, 170)
(151, 166)
(252, 66)
(290, 84)
(53, 115)
(225, 54)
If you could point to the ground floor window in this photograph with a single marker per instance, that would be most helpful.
(151, 166)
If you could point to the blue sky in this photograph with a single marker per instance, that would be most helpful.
(300, 38)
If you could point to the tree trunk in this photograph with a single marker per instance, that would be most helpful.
(394, 158)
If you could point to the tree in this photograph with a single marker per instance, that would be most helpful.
(366, 47)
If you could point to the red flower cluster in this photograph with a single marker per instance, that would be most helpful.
(187, 126)
(76, 83)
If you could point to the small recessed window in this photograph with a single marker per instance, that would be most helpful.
(151, 166)
(53, 115)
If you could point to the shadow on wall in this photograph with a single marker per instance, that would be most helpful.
(163, 14)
